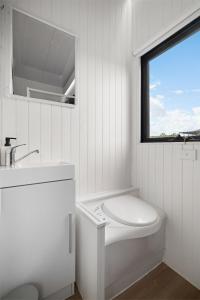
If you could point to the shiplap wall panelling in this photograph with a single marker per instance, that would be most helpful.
(91, 105)
(105, 94)
(126, 37)
(163, 178)
(56, 140)
(22, 127)
(34, 126)
(66, 134)
(113, 103)
(188, 235)
(167, 190)
(99, 44)
(83, 72)
(46, 129)
(8, 118)
(196, 219)
(174, 207)
(159, 175)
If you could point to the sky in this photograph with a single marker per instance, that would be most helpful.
(175, 88)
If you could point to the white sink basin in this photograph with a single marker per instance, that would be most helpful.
(35, 173)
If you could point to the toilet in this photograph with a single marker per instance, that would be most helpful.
(25, 292)
(128, 217)
(134, 239)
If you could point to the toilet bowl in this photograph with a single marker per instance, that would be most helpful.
(128, 217)
(26, 292)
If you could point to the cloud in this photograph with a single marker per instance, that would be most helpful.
(196, 110)
(157, 108)
(172, 121)
(160, 97)
(154, 85)
(196, 90)
(178, 92)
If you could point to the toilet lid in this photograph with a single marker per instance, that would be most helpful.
(26, 292)
(130, 211)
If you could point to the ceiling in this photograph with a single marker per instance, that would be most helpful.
(41, 52)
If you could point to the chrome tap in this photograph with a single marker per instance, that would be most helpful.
(13, 160)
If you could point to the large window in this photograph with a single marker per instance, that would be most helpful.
(170, 109)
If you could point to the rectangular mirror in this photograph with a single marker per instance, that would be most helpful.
(43, 60)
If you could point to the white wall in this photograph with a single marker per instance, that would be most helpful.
(95, 135)
(163, 178)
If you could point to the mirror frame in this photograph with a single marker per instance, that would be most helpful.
(11, 95)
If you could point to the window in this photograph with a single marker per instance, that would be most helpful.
(170, 109)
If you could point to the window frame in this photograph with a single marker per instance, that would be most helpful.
(170, 42)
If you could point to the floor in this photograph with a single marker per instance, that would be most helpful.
(161, 284)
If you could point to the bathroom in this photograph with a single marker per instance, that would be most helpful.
(93, 151)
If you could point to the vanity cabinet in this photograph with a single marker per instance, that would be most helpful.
(37, 238)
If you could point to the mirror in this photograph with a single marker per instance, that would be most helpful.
(43, 60)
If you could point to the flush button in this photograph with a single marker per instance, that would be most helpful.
(188, 154)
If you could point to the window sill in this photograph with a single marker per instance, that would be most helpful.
(168, 140)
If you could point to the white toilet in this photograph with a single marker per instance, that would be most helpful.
(25, 292)
(134, 239)
(128, 217)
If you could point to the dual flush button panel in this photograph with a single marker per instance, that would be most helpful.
(189, 154)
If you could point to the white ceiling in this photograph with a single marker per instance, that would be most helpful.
(41, 52)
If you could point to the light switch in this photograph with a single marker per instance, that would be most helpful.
(189, 154)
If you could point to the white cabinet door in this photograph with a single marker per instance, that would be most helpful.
(37, 231)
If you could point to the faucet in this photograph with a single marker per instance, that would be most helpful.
(13, 160)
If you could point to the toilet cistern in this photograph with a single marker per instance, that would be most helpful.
(13, 160)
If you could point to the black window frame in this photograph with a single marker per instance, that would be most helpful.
(170, 42)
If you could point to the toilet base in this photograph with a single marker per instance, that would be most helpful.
(130, 260)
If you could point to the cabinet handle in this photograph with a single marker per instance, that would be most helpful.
(70, 232)
(1, 200)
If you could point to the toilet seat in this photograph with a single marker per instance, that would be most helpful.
(26, 292)
(129, 210)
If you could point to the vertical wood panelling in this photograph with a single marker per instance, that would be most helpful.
(95, 134)
(66, 134)
(196, 218)
(106, 91)
(158, 170)
(56, 133)
(34, 129)
(46, 133)
(91, 107)
(22, 127)
(99, 97)
(83, 125)
(187, 215)
(9, 118)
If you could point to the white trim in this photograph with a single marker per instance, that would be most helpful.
(41, 101)
(108, 194)
(72, 84)
(10, 94)
(29, 90)
(183, 21)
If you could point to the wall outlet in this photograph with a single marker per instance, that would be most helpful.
(189, 154)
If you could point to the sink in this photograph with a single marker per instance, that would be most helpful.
(35, 173)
